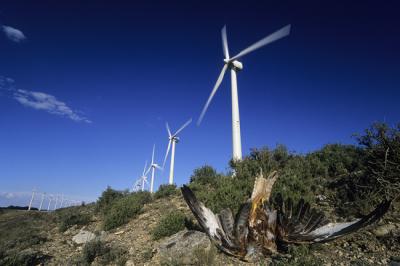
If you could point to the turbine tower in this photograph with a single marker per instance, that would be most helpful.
(41, 202)
(234, 65)
(173, 139)
(30, 202)
(50, 199)
(153, 167)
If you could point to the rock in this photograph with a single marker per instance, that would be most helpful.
(183, 245)
(384, 229)
(83, 237)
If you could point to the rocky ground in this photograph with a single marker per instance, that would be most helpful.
(376, 245)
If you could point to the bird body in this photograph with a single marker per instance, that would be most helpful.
(258, 227)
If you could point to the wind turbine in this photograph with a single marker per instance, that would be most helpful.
(30, 202)
(50, 199)
(153, 167)
(234, 65)
(143, 178)
(173, 139)
(140, 182)
(41, 202)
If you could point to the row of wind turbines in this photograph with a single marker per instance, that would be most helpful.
(59, 201)
(234, 66)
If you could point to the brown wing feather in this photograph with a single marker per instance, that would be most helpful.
(307, 225)
(217, 227)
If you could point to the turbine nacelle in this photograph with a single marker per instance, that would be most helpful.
(234, 64)
(174, 138)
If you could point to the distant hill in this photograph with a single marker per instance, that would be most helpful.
(12, 207)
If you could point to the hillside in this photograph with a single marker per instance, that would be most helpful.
(139, 228)
(32, 237)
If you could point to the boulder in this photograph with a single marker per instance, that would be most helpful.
(83, 237)
(183, 245)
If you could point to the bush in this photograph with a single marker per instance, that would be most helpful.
(71, 216)
(165, 191)
(124, 209)
(107, 198)
(204, 175)
(379, 176)
(169, 225)
(97, 249)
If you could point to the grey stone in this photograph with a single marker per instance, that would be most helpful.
(83, 237)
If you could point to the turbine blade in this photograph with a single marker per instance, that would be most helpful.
(144, 169)
(168, 129)
(158, 167)
(152, 155)
(148, 170)
(225, 42)
(166, 154)
(182, 127)
(216, 86)
(267, 40)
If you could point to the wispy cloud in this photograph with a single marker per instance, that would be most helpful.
(41, 101)
(13, 34)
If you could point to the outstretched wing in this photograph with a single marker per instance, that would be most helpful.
(303, 224)
(220, 228)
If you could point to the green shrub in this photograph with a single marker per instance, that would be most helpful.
(204, 175)
(124, 209)
(107, 198)
(105, 254)
(68, 217)
(165, 191)
(169, 225)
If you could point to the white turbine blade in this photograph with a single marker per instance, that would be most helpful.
(144, 169)
(168, 129)
(158, 167)
(216, 86)
(166, 154)
(152, 155)
(182, 127)
(267, 40)
(148, 170)
(225, 42)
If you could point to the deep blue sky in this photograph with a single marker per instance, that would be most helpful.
(130, 66)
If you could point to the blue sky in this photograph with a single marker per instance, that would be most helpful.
(86, 89)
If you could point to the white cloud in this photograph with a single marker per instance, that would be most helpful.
(13, 34)
(48, 103)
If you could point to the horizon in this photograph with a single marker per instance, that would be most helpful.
(86, 88)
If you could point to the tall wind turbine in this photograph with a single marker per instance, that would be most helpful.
(153, 167)
(173, 139)
(234, 65)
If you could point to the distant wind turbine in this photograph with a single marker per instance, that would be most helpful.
(173, 139)
(140, 182)
(50, 199)
(41, 202)
(30, 202)
(153, 167)
(234, 65)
